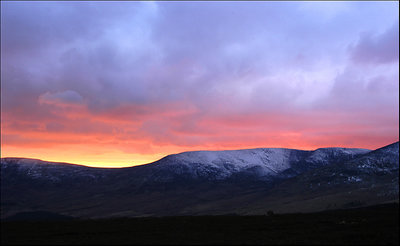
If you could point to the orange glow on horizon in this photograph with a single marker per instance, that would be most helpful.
(106, 158)
(109, 93)
(130, 135)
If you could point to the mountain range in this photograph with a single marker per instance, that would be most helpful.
(242, 182)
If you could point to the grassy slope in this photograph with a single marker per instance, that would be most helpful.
(370, 225)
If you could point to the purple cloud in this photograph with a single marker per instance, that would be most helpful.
(383, 48)
(64, 97)
(192, 73)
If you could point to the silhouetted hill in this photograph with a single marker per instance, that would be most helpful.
(38, 216)
(206, 182)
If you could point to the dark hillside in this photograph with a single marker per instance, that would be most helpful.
(377, 225)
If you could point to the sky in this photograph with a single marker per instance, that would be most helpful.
(114, 84)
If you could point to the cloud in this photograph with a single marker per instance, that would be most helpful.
(61, 98)
(152, 78)
(376, 49)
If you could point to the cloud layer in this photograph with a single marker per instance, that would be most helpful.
(105, 83)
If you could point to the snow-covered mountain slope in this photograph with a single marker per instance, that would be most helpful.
(222, 164)
(205, 182)
(382, 160)
(210, 165)
(325, 155)
(369, 170)
(15, 168)
(263, 163)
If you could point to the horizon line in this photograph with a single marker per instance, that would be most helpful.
(119, 167)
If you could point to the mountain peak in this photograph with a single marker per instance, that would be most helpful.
(205, 182)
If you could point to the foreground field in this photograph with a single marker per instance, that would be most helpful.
(371, 225)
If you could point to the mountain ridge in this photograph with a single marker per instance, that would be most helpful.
(200, 183)
(174, 154)
(259, 163)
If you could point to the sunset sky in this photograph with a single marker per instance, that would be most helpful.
(125, 83)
